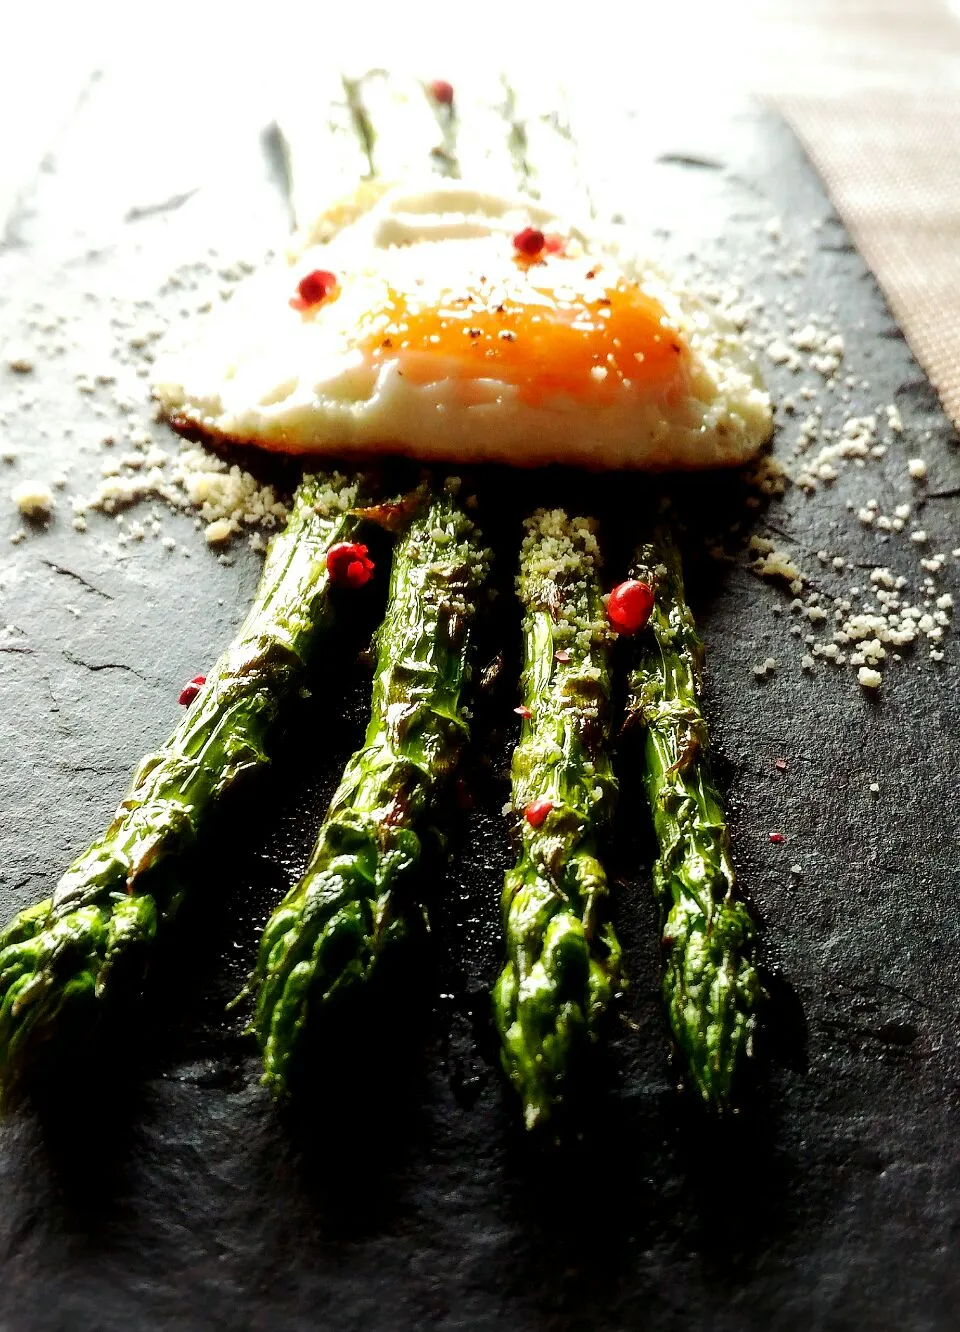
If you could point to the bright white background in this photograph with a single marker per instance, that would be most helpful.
(668, 53)
(872, 86)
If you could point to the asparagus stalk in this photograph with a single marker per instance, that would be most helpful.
(335, 923)
(62, 959)
(710, 984)
(563, 959)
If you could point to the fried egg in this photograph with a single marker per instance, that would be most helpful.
(447, 322)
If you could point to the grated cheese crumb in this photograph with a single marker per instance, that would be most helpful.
(773, 563)
(782, 354)
(220, 530)
(33, 499)
(869, 678)
(195, 479)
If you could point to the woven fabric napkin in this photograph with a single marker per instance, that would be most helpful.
(872, 88)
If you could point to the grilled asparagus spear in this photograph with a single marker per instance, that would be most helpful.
(60, 959)
(563, 958)
(710, 984)
(334, 924)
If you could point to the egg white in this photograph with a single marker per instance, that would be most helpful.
(263, 374)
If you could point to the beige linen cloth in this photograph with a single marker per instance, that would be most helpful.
(872, 88)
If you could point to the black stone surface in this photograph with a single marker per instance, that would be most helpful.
(160, 1189)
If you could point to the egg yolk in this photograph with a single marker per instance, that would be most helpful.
(575, 336)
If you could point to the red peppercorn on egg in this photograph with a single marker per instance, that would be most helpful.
(451, 323)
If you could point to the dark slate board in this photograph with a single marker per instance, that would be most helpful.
(163, 1190)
